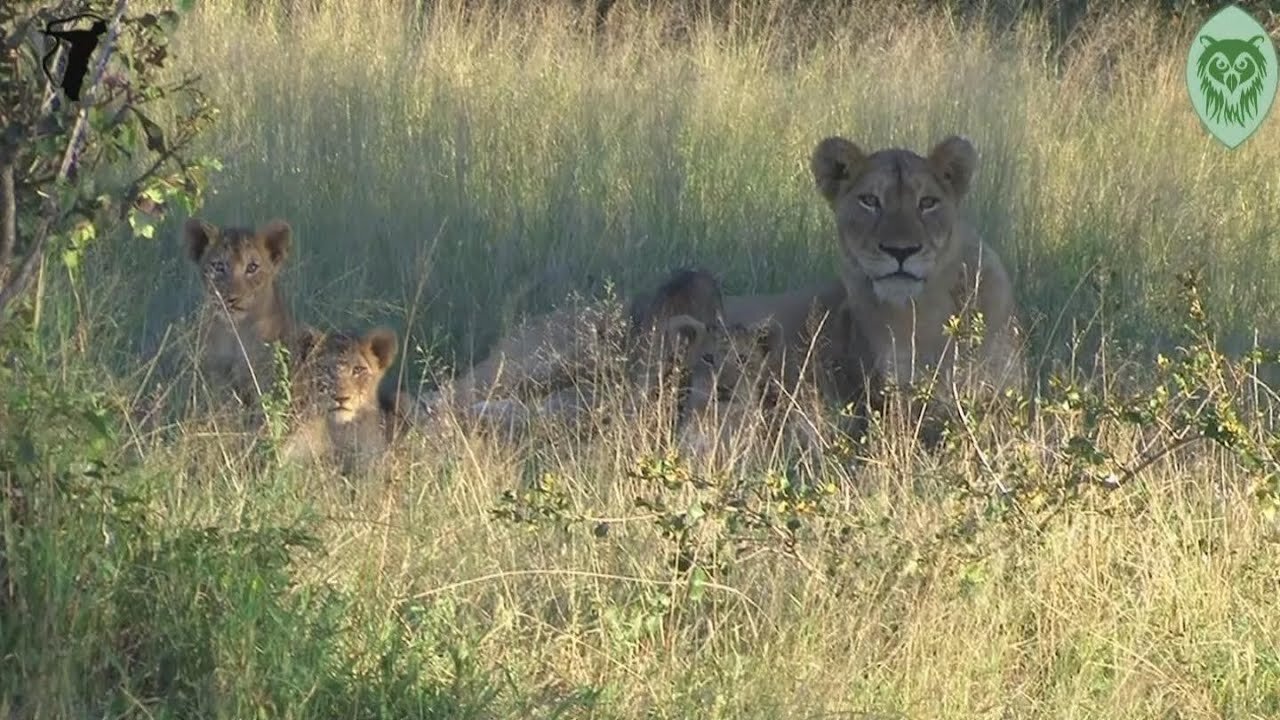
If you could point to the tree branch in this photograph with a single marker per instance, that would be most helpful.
(18, 284)
(15, 286)
(8, 217)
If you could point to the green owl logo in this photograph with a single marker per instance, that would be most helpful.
(1232, 75)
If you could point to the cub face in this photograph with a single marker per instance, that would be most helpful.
(346, 370)
(238, 266)
(731, 366)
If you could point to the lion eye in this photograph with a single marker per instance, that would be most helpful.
(251, 268)
(218, 268)
(869, 201)
(359, 370)
(928, 203)
(709, 359)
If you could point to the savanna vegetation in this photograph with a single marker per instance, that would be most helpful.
(1102, 546)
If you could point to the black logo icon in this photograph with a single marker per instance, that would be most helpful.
(82, 44)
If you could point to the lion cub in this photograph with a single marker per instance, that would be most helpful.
(730, 385)
(551, 361)
(243, 308)
(339, 414)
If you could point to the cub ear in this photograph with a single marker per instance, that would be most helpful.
(305, 342)
(197, 236)
(834, 161)
(382, 344)
(954, 160)
(684, 331)
(276, 237)
(1256, 40)
(1207, 41)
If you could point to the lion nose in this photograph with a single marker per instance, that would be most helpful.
(900, 253)
(341, 399)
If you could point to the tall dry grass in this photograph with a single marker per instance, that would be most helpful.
(445, 172)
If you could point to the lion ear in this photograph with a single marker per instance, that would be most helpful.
(381, 343)
(834, 161)
(305, 342)
(955, 160)
(276, 237)
(198, 235)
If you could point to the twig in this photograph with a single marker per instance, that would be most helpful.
(8, 217)
(18, 285)
(558, 572)
(1130, 473)
(81, 132)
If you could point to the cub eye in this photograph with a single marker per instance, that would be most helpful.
(869, 201)
(709, 359)
(928, 203)
(218, 267)
(251, 268)
(359, 370)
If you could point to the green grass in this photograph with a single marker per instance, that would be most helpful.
(443, 176)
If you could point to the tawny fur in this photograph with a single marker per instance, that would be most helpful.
(552, 359)
(243, 309)
(339, 416)
(909, 262)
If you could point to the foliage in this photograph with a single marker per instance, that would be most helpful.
(77, 170)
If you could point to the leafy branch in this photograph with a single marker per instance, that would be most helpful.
(54, 153)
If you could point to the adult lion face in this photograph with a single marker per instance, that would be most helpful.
(894, 210)
(239, 266)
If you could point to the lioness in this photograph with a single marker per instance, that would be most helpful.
(678, 346)
(909, 261)
(243, 308)
(549, 353)
(340, 416)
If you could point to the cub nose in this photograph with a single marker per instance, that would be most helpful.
(900, 253)
(341, 399)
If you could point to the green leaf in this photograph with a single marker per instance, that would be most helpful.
(697, 584)
(98, 420)
(142, 224)
(71, 259)
(168, 21)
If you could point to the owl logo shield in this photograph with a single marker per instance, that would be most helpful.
(1232, 75)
